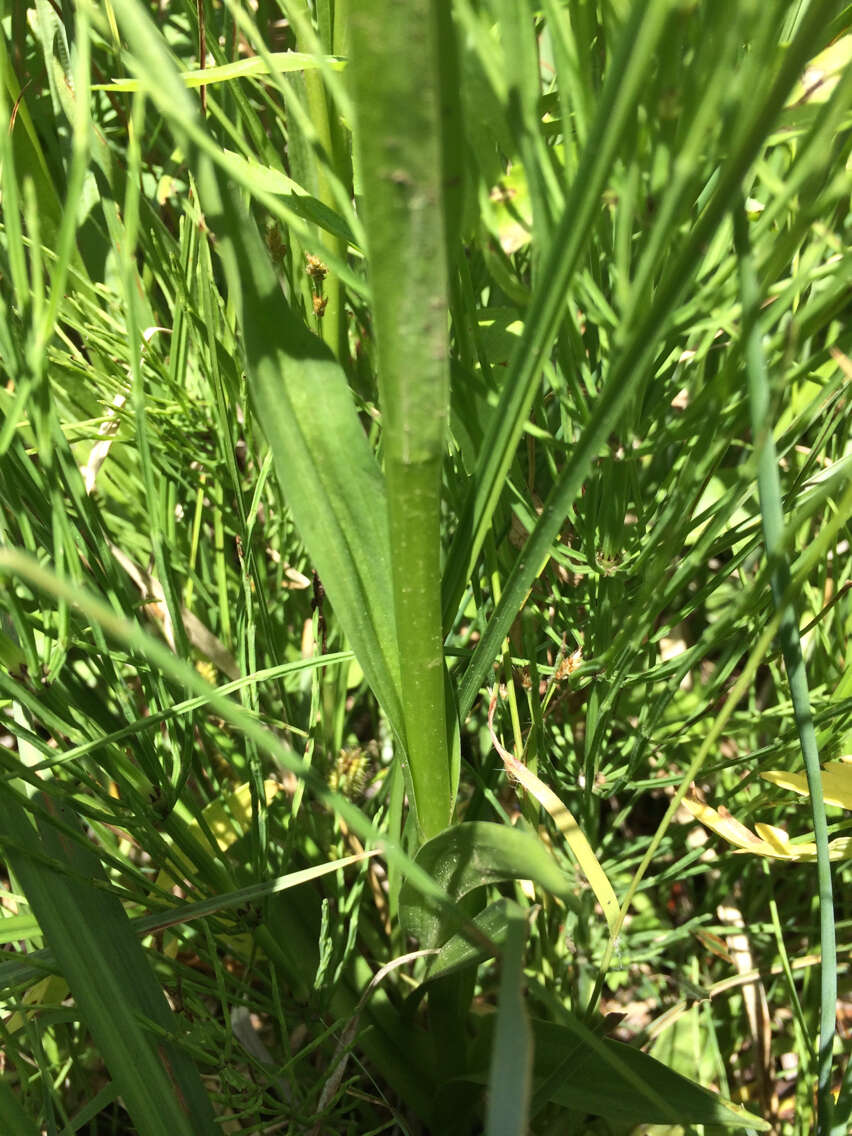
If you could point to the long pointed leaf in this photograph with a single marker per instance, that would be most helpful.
(299, 392)
(607, 1078)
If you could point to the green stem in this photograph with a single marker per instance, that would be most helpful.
(769, 490)
(397, 90)
(413, 494)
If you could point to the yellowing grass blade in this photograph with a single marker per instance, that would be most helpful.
(723, 824)
(564, 820)
(836, 782)
(767, 840)
(242, 69)
(227, 819)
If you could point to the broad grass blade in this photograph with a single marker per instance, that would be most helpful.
(470, 856)
(510, 1079)
(110, 977)
(299, 393)
(596, 1075)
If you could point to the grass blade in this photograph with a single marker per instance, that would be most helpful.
(617, 104)
(634, 358)
(280, 61)
(565, 823)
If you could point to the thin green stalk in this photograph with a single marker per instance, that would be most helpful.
(396, 62)
(808, 561)
(769, 491)
(330, 311)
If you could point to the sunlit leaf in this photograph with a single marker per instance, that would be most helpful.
(836, 782)
(767, 840)
(470, 856)
(283, 61)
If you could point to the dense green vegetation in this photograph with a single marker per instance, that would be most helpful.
(424, 500)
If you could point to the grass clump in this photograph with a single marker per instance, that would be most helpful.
(425, 492)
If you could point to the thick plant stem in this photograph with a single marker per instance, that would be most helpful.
(769, 489)
(413, 491)
(397, 88)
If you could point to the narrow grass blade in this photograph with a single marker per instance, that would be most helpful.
(281, 61)
(510, 1079)
(253, 893)
(319, 158)
(746, 677)
(769, 492)
(565, 823)
(90, 1110)
(632, 361)
(160, 79)
(633, 60)
(32, 965)
(397, 90)
(132, 637)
